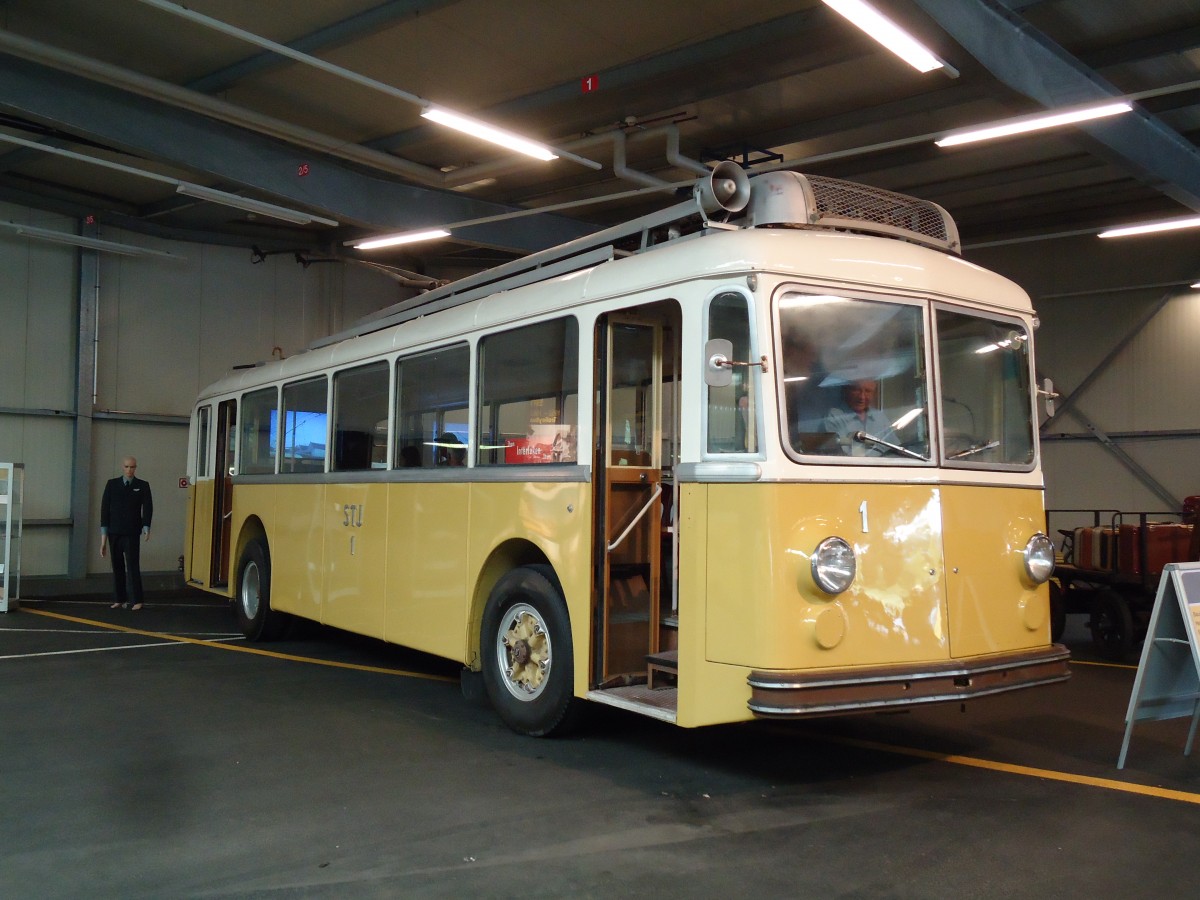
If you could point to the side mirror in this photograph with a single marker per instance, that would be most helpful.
(718, 356)
(1048, 395)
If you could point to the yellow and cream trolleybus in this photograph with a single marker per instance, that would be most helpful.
(770, 452)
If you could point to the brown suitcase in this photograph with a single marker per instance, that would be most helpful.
(1083, 547)
(1165, 542)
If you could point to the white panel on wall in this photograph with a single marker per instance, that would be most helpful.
(165, 329)
(44, 550)
(37, 300)
(44, 446)
(53, 323)
(1090, 294)
(1166, 359)
(147, 347)
(38, 320)
(14, 315)
(363, 292)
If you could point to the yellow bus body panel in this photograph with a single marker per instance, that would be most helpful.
(200, 512)
(554, 517)
(765, 611)
(428, 582)
(709, 692)
(940, 570)
(356, 528)
(940, 574)
(992, 604)
(296, 539)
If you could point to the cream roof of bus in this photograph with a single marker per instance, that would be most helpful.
(823, 257)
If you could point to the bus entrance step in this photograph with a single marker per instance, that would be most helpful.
(662, 669)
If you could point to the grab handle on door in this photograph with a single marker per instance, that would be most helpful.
(628, 528)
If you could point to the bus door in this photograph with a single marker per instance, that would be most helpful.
(222, 523)
(200, 502)
(636, 447)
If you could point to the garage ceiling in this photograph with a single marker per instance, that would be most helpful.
(107, 107)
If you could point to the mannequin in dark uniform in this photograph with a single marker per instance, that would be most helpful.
(125, 512)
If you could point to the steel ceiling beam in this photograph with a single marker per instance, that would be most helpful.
(1029, 62)
(156, 130)
(361, 25)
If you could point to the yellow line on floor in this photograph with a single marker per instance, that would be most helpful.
(1106, 665)
(236, 648)
(1110, 784)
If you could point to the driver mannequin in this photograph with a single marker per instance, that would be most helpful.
(859, 413)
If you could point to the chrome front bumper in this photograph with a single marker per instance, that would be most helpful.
(830, 692)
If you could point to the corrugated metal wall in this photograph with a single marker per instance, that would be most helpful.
(164, 329)
(1129, 300)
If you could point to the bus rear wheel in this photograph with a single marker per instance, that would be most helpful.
(528, 663)
(256, 619)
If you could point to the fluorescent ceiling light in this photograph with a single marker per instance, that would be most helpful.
(77, 240)
(1034, 123)
(391, 240)
(887, 32)
(1152, 227)
(487, 132)
(255, 206)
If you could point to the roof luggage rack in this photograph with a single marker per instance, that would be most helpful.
(774, 199)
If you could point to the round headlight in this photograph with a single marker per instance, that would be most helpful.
(833, 565)
(1039, 558)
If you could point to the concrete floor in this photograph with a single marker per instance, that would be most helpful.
(138, 767)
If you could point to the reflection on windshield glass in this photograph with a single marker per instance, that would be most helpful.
(987, 415)
(854, 386)
(853, 377)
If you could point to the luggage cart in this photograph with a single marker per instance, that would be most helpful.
(1110, 569)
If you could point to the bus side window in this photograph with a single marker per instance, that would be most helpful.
(259, 417)
(732, 409)
(305, 424)
(432, 391)
(529, 394)
(203, 417)
(360, 403)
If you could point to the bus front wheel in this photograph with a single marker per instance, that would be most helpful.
(256, 619)
(528, 664)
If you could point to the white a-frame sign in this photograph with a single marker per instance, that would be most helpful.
(1168, 678)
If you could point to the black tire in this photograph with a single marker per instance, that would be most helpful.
(1058, 612)
(252, 602)
(528, 660)
(1112, 626)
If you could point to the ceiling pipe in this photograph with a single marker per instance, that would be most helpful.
(623, 171)
(674, 157)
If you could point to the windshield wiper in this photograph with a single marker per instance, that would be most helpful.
(971, 451)
(863, 438)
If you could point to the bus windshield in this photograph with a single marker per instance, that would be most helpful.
(854, 383)
(987, 405)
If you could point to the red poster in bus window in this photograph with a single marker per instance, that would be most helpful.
(543, 444)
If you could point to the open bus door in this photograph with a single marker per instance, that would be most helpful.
(636, 447)
(222, 522)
